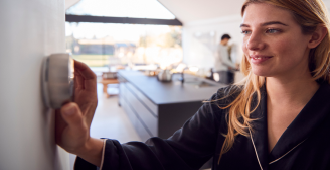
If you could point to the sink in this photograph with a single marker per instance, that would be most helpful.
(199, 83)
(195, 82)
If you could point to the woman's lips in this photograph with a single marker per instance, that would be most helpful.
(258, 59)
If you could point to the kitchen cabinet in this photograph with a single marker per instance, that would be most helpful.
(158, 109)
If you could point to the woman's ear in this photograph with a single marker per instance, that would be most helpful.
(317, 36)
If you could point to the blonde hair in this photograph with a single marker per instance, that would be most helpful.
(308, 14)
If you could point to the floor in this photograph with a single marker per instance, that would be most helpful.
(110, 121)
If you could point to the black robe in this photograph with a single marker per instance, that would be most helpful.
(304, 145)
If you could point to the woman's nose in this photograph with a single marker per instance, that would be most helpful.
(255, 43)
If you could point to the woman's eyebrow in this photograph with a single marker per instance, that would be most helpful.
(273, 22)
(244, 25)
(265, 24)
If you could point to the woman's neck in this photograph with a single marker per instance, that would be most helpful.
(291, 90)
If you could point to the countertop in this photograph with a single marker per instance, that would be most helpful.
(170, 92)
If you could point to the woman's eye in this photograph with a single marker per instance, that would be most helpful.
(272, 31)
(245, 32)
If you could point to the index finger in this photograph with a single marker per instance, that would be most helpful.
(84, 70)
(86, 78)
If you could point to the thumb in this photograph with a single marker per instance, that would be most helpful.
(71, 114)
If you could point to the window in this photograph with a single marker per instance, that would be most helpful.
(113, 44)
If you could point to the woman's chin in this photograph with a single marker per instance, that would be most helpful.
(261, 72)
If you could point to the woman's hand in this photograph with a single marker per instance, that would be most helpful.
(73, 120)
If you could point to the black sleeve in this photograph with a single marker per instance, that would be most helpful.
(189, 148)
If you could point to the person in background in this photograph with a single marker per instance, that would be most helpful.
(233, 55)
(223, 65)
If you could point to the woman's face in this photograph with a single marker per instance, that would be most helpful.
(273, 41)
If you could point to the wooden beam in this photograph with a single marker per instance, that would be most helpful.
(123, 20)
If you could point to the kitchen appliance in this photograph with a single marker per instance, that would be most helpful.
(165, 75)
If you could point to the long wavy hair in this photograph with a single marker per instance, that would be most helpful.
(308, 14)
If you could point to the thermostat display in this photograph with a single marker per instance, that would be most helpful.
(57, 80)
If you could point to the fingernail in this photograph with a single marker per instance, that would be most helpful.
(69, 109)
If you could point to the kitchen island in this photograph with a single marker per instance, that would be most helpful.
(158, 109)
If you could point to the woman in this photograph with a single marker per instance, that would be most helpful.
(277, 120)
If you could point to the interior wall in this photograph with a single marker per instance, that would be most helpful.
(199, 52)
(30, 30)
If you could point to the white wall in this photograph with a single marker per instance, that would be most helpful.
(30, 30)
(198, 54)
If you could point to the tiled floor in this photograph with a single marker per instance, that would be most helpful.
(110, 121)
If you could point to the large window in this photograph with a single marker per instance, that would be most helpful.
(101, 45)
(110, 44)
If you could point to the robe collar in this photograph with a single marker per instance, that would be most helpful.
(306, 122)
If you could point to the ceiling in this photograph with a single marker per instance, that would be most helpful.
(69, 3)
(195, 10)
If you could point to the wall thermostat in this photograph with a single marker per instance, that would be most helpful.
(57, 80)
